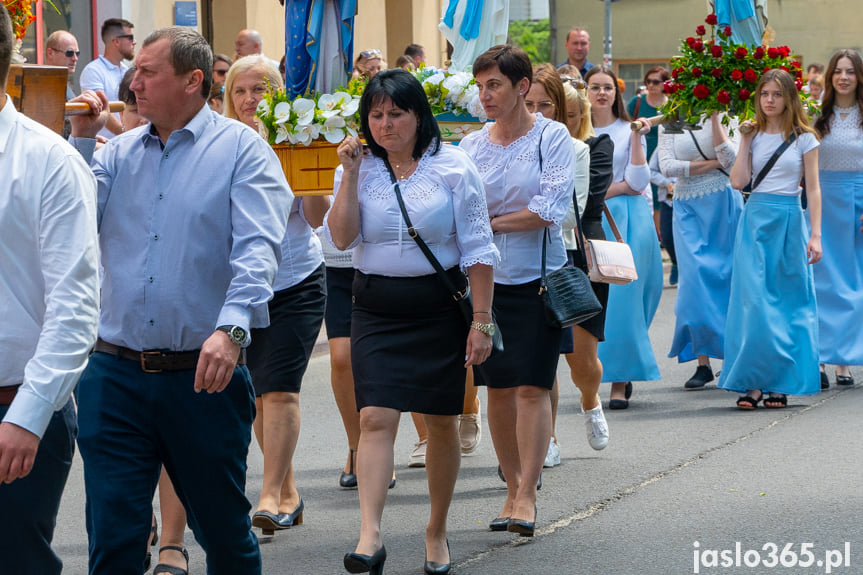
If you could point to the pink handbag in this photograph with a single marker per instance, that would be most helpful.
(610, 262)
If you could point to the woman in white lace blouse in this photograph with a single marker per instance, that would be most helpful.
(706, 212)
(839, 274)
(410, 343)
(525, 161)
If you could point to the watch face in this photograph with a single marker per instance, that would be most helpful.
(238, 334)
(492, 329)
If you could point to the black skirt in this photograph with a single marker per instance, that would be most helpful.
(408, 341)
(279, 354)
(531, 347)
(338, 315)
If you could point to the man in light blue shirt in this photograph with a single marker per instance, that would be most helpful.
(106, 72)
(192, 209)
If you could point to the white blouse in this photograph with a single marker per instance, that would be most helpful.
(513, 181)
(676, 151)
(445, 201)
(842, 149)
(301, 250)
(636, 177)
(784, 178)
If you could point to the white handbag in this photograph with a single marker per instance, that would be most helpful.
(610, 262)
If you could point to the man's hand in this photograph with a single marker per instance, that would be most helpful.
(17, 452)
(88, 125)
(216, 363)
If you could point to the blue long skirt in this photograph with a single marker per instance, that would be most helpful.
(626, 353)
(839, 274)
(704, 230)
(771, 336)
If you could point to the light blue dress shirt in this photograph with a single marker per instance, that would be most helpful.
(189, 233)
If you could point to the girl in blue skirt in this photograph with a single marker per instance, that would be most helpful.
(839, 276)
(771, 341)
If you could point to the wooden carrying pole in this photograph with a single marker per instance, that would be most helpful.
(80, 108)
(654, 121)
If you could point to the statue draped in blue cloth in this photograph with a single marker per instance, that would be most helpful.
(747, 18)
(319, 44)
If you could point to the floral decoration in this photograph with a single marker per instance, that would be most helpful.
(305, 119)
(715, 75)
(451, 92)
(21, 13)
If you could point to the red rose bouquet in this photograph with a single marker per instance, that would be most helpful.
(714, 75)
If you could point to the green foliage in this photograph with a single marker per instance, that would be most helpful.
(532, 37)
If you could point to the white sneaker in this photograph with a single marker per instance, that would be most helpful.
(469, 432)
(552, 458)
(418, 455)
(597, 428)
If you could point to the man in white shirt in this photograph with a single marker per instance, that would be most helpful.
(49, 293)
(106, 72)
(249, 42)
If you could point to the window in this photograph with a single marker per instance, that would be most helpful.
(72, 15)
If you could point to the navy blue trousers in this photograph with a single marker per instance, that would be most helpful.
(666, 220)
(132, 422)
(29, 505)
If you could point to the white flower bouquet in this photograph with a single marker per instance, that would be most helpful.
(451, 92)
(304, 120)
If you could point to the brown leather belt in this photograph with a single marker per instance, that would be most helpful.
(7, 394)
(156, 361)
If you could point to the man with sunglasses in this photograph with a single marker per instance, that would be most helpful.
(61, 49)
(106, 72)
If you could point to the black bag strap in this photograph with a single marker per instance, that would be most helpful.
(771, 162)
(703, 155)
(457, 295)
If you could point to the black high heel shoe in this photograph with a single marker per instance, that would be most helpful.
(373, 564)
(434, 568)
(349, 480)
(522, 527)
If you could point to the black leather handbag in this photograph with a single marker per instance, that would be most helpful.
(462, 298)
(566, 293)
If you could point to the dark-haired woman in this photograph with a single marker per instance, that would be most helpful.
(403, 316)
(839, 274)
(647, 105)
(526, 165)
(626, 353)
(771, 335)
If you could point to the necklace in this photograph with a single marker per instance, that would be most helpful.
(403, 175)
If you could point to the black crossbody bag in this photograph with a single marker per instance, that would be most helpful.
(462, 298)
(768, 166)
(566, 293)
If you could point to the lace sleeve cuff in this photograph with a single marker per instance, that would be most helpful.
(545, 209)
(726, 154)
(489, 257)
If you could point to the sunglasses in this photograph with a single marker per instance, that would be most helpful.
(574, 82)
(653, 82)
(220, 72)
(128, 36)
(370, 53)
(69, 53)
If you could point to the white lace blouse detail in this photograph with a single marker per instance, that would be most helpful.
(446, 204)
(513, 181)
(636, 177)
(842, 148)
(676, 151)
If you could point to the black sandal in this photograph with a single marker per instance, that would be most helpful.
(748, 402)
(170, 569)
(776, 401)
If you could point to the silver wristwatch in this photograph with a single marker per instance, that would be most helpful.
(237, 334)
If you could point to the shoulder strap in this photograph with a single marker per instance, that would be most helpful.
(539, 148)
(700, 151)
(456, 294)
(773, 159)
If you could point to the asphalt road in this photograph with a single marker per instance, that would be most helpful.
(688, 484)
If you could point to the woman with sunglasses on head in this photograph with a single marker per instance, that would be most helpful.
(221, 65)
(646, 106)
(839, 275)
(526, 165)
(771, 335)
(368, 64)
(706, 213)
(279, 354)
(626, 353)
(548, 95)
(410, 343)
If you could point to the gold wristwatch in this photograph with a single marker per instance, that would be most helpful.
(486, 328)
